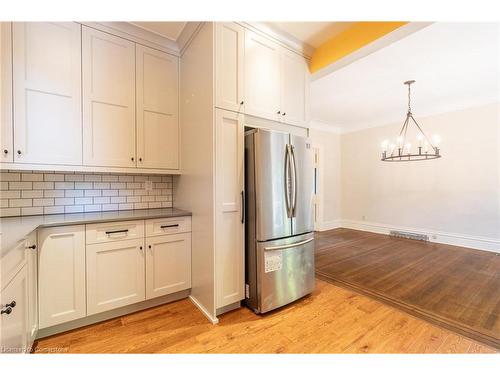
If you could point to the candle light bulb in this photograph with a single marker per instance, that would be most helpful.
(408, 147)
(426, 146)
(436, 139)
(420, 139)
(400, 141)
(384, 145)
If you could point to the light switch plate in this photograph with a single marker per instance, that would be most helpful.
(148, 185)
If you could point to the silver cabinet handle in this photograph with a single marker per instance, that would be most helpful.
(242, 206)
(282, 247)
(294, 199)
(287, 177)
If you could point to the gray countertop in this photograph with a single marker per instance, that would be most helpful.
(15, 229)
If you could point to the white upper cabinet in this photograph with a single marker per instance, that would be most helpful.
(157, 109)
(294, 88)
(229, 202)
(47, 89)
(276, 81)
(108, 100)
(6, 93)
(229, 64)
(262, 77)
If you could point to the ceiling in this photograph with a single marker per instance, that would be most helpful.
(170, 30)
(455, 65)
(312, 33)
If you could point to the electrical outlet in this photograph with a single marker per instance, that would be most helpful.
(148, 185)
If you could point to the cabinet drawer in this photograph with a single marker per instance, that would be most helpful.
(115, 231)
(171, 225)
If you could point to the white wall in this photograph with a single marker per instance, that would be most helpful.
(456, 198)
(329, 177)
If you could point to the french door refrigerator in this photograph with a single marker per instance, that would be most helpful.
(279, 249)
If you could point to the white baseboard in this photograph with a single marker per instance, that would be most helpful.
(328, 225)
(200, 307)
(474, 242)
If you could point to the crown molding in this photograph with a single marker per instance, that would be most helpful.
(284, 39)
(323, 126)
(187, 35)
(137, 34)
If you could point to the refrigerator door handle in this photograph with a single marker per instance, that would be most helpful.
(287, 180)
(294, 196)
(242, 206)
(282, 247)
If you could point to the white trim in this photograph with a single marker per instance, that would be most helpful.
(83, 168)
(374, 46)
(136, 34)
(328, 225)
(456, 239)
(190, 30)
(213, 320)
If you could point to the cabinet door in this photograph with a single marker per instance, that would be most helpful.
(157, 109)
(108, 99)
(115, 275)
(294, 88)
(6, 93)
(61, 274)
(31, 244)
(229, 65)
(262, 77)
(47, 89)
(168, 264)
(14, 324)
(230, 275)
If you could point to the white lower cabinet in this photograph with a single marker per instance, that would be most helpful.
(14, 318)
(168, 264)
(31, 244)
(115, 275)
(61, 274)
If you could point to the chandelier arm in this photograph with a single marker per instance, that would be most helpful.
(421, 131)
(406, 130)
(405, 123)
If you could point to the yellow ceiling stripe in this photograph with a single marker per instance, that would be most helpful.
(353, 38)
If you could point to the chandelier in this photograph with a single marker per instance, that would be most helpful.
(401, 150)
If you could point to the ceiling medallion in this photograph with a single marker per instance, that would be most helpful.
(401, 149)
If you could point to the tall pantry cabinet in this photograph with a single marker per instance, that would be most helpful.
(230, 73)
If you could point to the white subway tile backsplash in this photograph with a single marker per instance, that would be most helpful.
(43, 202)
(35, 193)
(79, 201)
(32, 193)
(20, 202)
(31, 211)
(54, 177)
(10, 194)
(74, 193)
(14, 185)
(64, 201)
(31, 177)
(83, 185)
(43, 185)
(53, 210)
(64, 185)
(53, 193)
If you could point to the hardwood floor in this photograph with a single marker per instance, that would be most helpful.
(455, 287)
(331, 320)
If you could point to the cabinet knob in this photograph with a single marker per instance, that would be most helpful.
(32, 247)
(7, 311)
(242, 102)
(140, 247)
(284, 113)
(132, 158)
(5, 151)
(278, 112)
(12, 304)
(19, 152)
(140, 159)
(149, 246)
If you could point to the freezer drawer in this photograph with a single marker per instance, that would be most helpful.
(285, 271)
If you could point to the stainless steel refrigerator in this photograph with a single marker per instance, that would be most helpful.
(279, 248)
